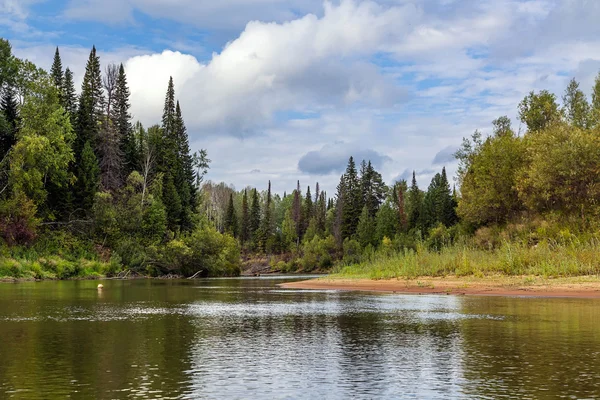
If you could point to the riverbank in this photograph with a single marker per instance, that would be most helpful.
(579, 287)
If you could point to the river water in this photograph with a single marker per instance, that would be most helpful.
(248, 338)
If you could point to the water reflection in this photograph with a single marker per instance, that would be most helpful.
(246, 338)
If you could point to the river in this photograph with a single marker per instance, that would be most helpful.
(248, 338)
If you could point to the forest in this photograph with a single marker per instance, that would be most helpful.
(85, 192)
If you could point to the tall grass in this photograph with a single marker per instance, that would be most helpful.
(545, 259)
(54, 268)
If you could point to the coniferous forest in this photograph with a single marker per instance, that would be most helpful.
(86, 191)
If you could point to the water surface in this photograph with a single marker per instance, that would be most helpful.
(248, 338)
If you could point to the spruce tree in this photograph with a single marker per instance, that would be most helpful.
(122, 121)
(10, 112)
(373, 189)
(231, 220)
(321, 213)
(88, 173)
(307, 211)
(266, 229)
(415, 204)
(254, 216)
(447, 211)
(297, 211)
(56, 72)
(172, 202)
(69, 97)
(185, 178)
(351, 200)
(245, 223)
(91, 106)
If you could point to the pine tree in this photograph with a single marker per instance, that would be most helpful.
(69, 97)
(122, 120)
(245, 223)
(447, 211)
(266, 229)
(185, 178)
(307, 210)
(56, 72)
(10, 112)
(254, 215)
(372, 188)
(91, 106)
(168, 118)
(88, 173)
(415, 204)
(231, 220)
(297, 211)
(172, 203)
(321, 212)
(349, 191)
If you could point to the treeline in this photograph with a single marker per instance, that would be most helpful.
(80, 181)
(77, 165)
(532, 186)
(309, 231)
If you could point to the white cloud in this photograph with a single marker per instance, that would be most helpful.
(404, 78)
(309, 62)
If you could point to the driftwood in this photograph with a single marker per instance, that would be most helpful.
(196, 274)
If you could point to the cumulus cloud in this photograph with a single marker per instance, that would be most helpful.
(334, 158)
(309, 62)
(406, 77)
(444, 156)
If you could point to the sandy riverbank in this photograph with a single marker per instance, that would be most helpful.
(582, 287)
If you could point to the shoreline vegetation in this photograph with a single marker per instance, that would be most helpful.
(86, 192)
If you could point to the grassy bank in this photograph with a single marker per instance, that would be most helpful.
(544, 259)
(54, 268)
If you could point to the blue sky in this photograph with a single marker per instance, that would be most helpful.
(286, 90)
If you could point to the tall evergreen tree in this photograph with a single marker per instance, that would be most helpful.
(254, 215)
(10, 114)
(415, 203)
(307, 210)
(245, 223)
(266, 228)
(231, 220)
(91, 106)
(321, 212)
(185, 178)
(172, 202)
(122, 121)
(69, 97)
(447, 210)
(57, 74)
(349, 190)
(88, 173)
(373, 189)
(297, 211)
